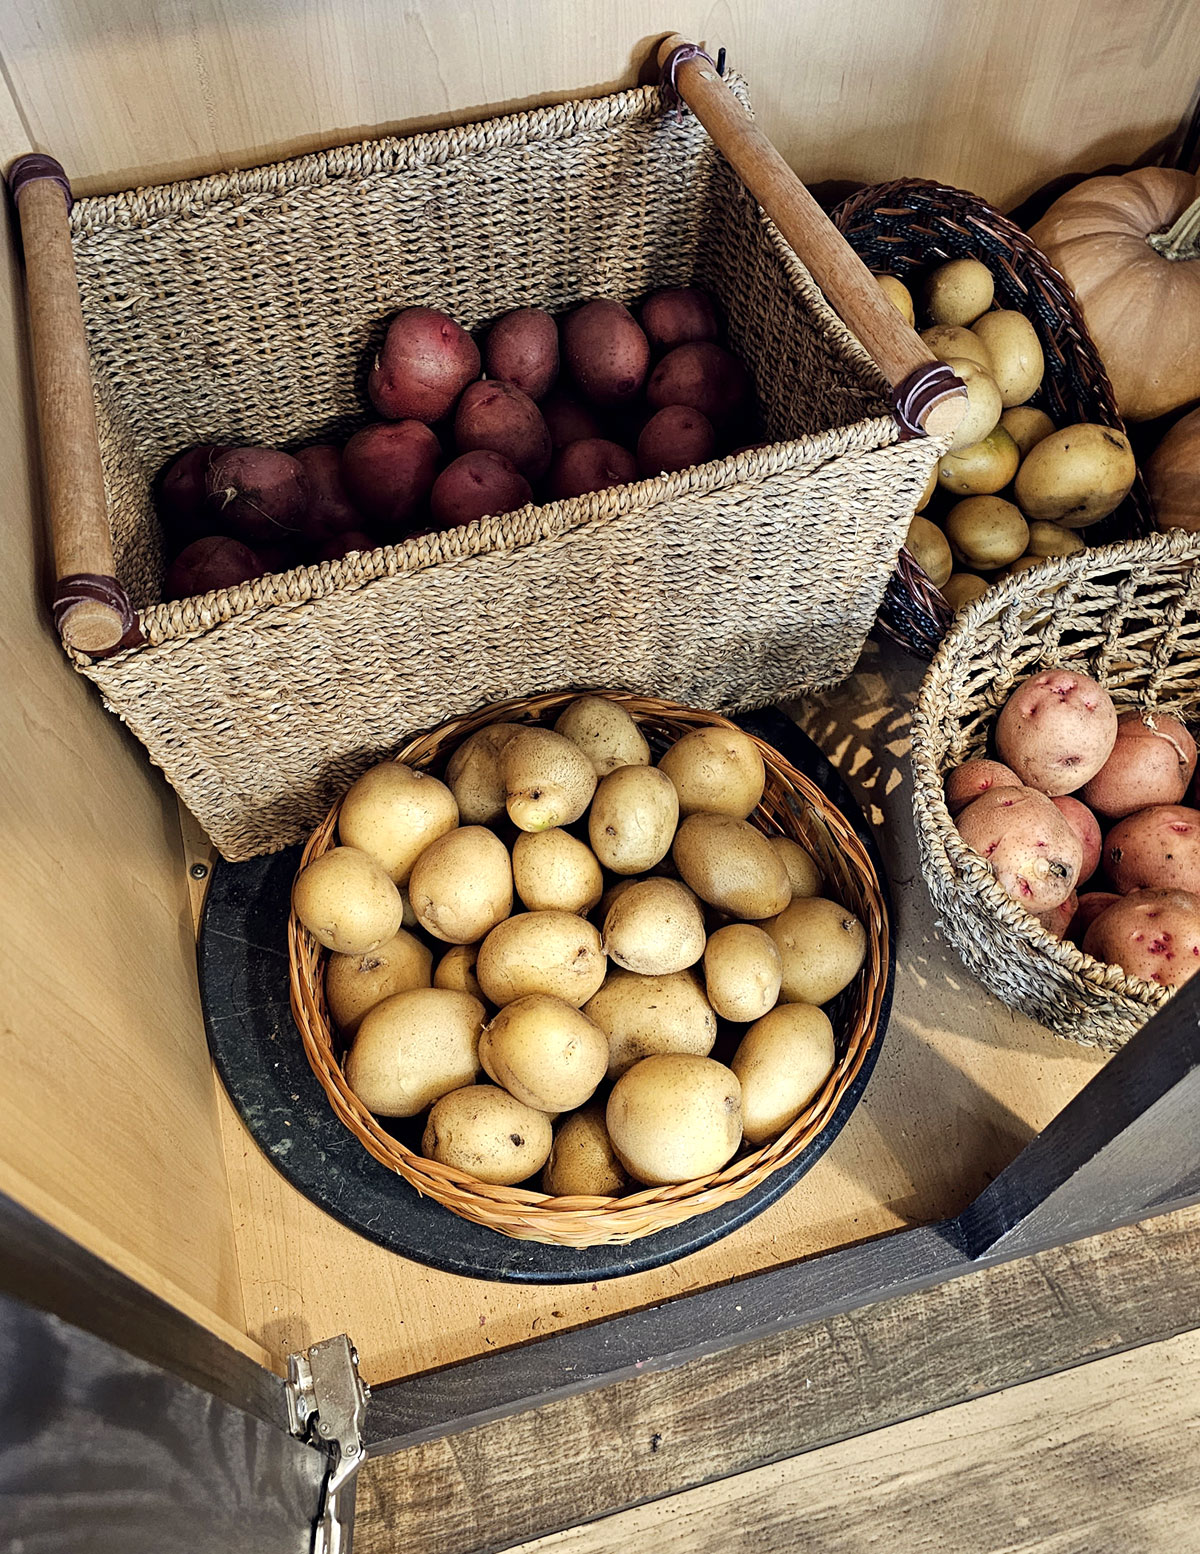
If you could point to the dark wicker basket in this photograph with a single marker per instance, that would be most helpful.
(904, 229)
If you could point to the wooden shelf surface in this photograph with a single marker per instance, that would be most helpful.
(962, 1083)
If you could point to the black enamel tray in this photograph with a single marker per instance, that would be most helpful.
(258, 1053)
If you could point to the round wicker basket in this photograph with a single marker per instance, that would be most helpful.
(791, 805)
(1130, 616)
(905, 229)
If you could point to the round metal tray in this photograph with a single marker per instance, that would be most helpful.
(257, 1050)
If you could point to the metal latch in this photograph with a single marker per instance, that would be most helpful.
(327, 1404)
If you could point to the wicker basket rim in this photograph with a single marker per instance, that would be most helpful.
(932, 814)
(573, 1218)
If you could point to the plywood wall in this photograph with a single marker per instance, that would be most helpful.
(108, 1121)
(993, 95)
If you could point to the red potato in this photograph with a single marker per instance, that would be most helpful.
(389, 470)
(522, 349)
(568, 419)
(1087, 828)
(1087, 909)
(211, 563)
(277, 558)
(500, 417)
(344, 545)
(1152, 934)
(256, 494)
(1151, 763)
(424, 364)
(591, 465)
(1032, 851)
(1156, 849)
(180, 497)
(701, 375)
(677, 315)
(606, 352)
(477, 485)
(330, 511)
(1059, 921)
(1056, 730)
(677, 437)
(966, 783)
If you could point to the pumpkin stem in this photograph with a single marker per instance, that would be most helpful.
(1181, 241)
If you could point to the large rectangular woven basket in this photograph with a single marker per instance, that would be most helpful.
(244, 307)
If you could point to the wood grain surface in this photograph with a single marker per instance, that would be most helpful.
(1098, 1458)
(108, 1124)
(661, 1432)
(996, 96)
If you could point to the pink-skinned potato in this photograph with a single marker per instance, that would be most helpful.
(330, 511)
(477, 485)
(606, 352)
(1087, 909)
(568, 419)
(1152, 934)
(521, 348)
(966, 783)
(1155, 849)
(211, 563)
(1087, 828)
(499, 416)
(1152, 762)
(389, 469)
(674, 438)
(702, 375)
(256, 494)
(1028, 844)
(423, 365)
(1060, 919)
(677, 315)
(1056, 730)
(591, 465)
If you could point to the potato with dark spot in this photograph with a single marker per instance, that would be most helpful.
(966, 783)
(389, 470)
(1028, 845)
(1152, 934)
(1086, 827)
(1152, 762)
(594, 464)
(477, 485)
(424, 364)
(1155, 849)
(499, 416)
(674, 438)
(522, 349)
(256, 494)
(1056, 730)
(606, 352)
(489, 1134)
(701, 375)
(330, 510)
(677, 315)
(568, 419)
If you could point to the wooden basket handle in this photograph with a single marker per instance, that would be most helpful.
(926, 395)
(91, 609)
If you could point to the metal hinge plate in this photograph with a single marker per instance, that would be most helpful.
(327, 1405)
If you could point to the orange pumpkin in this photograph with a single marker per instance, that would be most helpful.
(1129, 248)
(1173, 475)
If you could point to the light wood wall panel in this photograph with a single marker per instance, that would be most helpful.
(995, 95)
(108, 1118)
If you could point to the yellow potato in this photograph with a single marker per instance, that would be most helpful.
(1026, 426)
(655, 928)
(983, 402)
(782, 1062)
(1023, 564)
(555, 872)
(489, 1134)
(717, 770)
(674, 1118)
(413, 1048)
(582, 1160)
(1076, 476)
(545, 1052)
(986, 532)
(822, 945)
(394, 812)
(461, 886)
(742, 972)
(605, 733)
(356, 983)
(541, 952)
(951, 341)
(930, 488)
(1017, 361)
(473, 774)
(633, 817)
(804, 874)
(930, 550)
(731, 865)
(642, 1016)
(899, 296)
(456, 970)
(981, 469)
(958, 292)
(347, 901)
(1051, 539)
(548, 780)
(962, 588)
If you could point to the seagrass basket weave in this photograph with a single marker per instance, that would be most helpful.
(792, 805)
(244, 308)
(1127, 614)
(907, 228)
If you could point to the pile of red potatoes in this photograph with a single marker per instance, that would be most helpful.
(1082, 795)
(539, 409)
